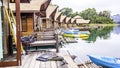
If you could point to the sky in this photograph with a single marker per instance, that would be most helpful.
(99, 5)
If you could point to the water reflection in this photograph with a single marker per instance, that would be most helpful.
(116, 30)
(102, 33)
(105, 43)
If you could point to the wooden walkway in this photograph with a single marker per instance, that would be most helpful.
(29, 61)
(88, 64)
(70, 40)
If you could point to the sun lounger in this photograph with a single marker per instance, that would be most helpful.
(43, 42)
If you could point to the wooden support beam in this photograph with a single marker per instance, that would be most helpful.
(57, 46)
(18, 32)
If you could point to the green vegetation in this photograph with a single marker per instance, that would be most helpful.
(68, 12)
(91, 14)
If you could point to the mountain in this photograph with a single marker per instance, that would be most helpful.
(116, 18)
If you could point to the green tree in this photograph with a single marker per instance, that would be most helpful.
(105, 13)
(67, 11)
(103, 20)
(90, 14)
(74, 14)
(102, 17)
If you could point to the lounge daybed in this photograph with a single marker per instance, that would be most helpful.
(43, 39)
(43, 42)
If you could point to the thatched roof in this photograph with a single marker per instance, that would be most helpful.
(78, 17)
(62, 18)
(87, 21)
(67, 19)
(50, 10)
(81, 21)
(33, 6)
(72, 20)
(57, 15)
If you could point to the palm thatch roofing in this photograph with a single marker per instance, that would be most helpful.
(81, 21)
(78, 17)
(33, 6)
(73, 20)
(50, 10)
(67, 19)
(21, 1)
(62, 18)
(57, 15)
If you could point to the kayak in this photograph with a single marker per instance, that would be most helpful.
(76, 35)
(70, 31)
(71, 35)
(83, 35)
(105, 61)
(84, 32)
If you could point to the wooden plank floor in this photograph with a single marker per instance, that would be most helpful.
(88, 64)
(29, 61)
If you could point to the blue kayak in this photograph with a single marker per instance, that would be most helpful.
(84, 32)
(105, 61)
(70, 31)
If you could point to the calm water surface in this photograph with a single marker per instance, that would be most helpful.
(104, 41)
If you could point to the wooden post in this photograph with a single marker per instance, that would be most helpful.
(57, 46)
(34, 21)
(18, 32)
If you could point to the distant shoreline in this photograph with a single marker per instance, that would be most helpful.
(103, 24)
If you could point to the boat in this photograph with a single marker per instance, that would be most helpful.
(70, 31)
(83, 35)
(71, 35)
(84, 32)
(76, 35)
(105, 61)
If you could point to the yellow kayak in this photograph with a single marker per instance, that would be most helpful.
(83, 35)
(76, 35)
(71, 35)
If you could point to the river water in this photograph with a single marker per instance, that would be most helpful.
(104, 41)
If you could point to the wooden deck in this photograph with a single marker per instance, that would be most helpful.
(29, 61)
(88, 64)
(70, 40)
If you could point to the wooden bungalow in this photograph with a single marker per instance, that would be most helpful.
(48, 22)
(68, 21)
(77, 17)
(6, 40)
(83, 24)
(81, 21)
(30, 14)
(62, 20)
(73, 21)
(24, 17)
(21, 1)
(57, 19)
